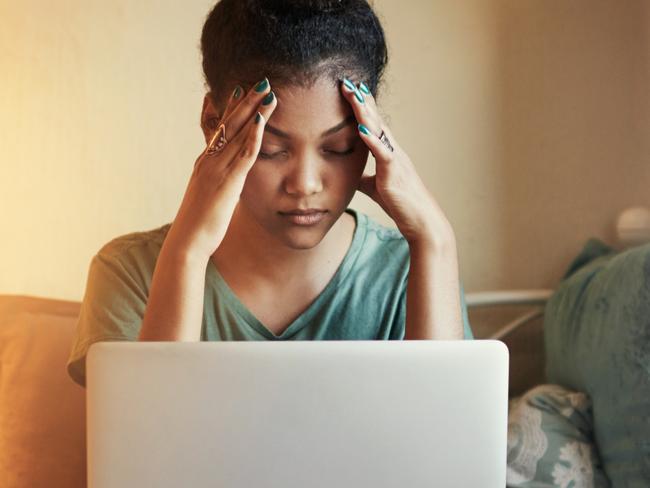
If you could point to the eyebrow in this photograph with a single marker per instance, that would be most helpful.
(328, 132)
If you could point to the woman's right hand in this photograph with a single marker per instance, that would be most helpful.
(218, 178)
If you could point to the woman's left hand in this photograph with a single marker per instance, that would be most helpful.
(396, 186)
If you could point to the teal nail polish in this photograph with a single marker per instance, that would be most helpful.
(358, 96)
(262, 85)
(268, 99)
(349, 84)
(237, 92)
(364, 88)
(364, 129)
(258, 117)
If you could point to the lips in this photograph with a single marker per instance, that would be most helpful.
(309, 216)
(307, 211)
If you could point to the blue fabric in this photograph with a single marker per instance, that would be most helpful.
(597, 338)
(467, 329)
(365, 300)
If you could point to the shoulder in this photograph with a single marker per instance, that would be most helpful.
(380, 238)
(135, 241)
(382, 247)
(134, 253)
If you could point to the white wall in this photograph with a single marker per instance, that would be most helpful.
(574, 128)
(528, 120)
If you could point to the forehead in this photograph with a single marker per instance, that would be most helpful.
(307, 112)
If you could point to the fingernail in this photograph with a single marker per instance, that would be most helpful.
(258, 117)
(262, 85)
(359, 96)
(349, 84)
(268, 99)
(364, 129)
(236, 93)
(364, 88)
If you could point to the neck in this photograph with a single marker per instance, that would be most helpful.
(250, 249)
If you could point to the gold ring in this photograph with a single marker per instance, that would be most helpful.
(218, 141)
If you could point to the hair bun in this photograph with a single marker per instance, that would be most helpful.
(307, 5)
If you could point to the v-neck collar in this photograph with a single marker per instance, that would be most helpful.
(223, 289)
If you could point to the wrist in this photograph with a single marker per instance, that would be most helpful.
(437, 239)
(182, 251)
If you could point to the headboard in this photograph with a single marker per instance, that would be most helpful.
(516, 318)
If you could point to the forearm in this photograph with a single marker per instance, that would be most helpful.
(175, 305)
(433, 309)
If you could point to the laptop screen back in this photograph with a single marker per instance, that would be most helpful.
(305, 414)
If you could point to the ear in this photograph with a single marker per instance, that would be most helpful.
(209, 117)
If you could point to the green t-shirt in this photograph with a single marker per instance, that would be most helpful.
(365, 299)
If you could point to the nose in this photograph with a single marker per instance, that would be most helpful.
(303, 178)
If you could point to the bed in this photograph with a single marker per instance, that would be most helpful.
(550, 441)
(579, 410)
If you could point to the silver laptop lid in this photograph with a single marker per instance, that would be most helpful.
(297, 414)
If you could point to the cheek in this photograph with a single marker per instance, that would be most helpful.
(260, 180)
(360, 164)
(351, 172)
(345, 175)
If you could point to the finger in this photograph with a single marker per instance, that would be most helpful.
(247, 155)
(260, 93)
(266, 107)
(212, 156)
(226, 156)
(372, 104)
(234, 100)
(379, 150)
(369, 99)
(361, 105)
(365, 109)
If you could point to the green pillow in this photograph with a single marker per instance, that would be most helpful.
(597, 340)
(550, 441)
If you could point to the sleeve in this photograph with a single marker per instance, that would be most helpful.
(112, 310)
(467, 329)
(398, 329)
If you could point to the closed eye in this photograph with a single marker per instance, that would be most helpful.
(264, 155)
(347, 151)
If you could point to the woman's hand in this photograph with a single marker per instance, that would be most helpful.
(219, 175)
(396, 186)
(432, 295)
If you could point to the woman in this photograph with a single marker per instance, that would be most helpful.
(263, 246)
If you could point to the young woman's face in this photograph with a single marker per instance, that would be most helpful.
(311, 158)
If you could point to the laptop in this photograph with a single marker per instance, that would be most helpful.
(309, 414)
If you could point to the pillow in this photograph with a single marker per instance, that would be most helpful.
(42, 411)
(550, 441)
(597, 340)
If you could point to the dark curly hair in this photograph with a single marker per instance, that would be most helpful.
(292, 42)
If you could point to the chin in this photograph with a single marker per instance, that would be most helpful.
(297, 237)
(303, 239)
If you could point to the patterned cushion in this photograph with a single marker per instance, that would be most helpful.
(550, 441)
